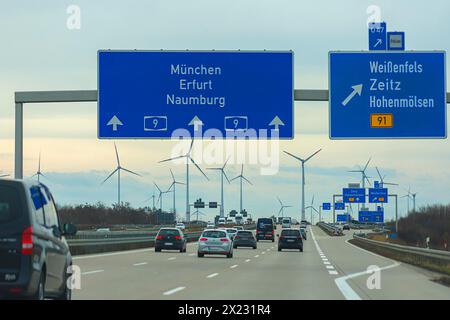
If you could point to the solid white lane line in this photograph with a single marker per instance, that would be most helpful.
(248, 260)
(212, 275)
(172, 258)
(233, 266)
(168, 293)
(140, 264)
(91, 272)
(110, 254)
(191, 254)
(345, 288)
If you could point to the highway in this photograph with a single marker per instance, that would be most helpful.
(329, 268)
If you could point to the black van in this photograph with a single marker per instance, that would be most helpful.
(34, 255)
(265, 229)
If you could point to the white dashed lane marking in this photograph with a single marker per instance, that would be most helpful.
(168, 293)
(91, 272)
(139, 264)
(212, 275)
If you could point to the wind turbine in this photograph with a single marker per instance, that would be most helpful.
(198, 212)
(160, 196)
(153, 198)
(282, 207)
(382, 182)
(303, 161)
(118, 169)
(363, 174)
(188, 158)
(312, 208)
(241, 176)
(412, 196)
(38, 173)
(222, 174)
(173, 185)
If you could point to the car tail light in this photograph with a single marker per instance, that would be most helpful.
(281, 237)
(237, 237)
(177, 237)
(273, 231)
(27, 241)
(258, 231)
(224, 239)
(203, 239)
(159, 237)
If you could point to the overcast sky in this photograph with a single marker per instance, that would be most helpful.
(39, 52)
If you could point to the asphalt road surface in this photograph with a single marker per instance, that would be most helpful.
(329, 268)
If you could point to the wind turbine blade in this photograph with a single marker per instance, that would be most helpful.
(190, 148)
(225, 164)
(246, 180)
(281, 203)
(226, 177)
(199, 169)
(281, 209)
(39, 163)
(367, 164)
(110, 175)
(313, 155)
(242, 170)
(295, 157)
(213, 168)
(170, 159)
(379, 174)
(129, 171)
(117, 155)
(171, 173)
(235, 178)
(157, 187)
(390, 184)
(359, 171)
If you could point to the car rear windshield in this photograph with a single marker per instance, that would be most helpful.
(286, 221)
(10, 208)
(231, 230)
(265, 223)
(169, 232)
(214, 234)
(244, 233)
(290, 232)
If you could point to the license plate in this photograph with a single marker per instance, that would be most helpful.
(214, 248)
(290, 240)
(168, 243)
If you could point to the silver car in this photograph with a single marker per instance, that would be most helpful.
(231, 233)
(213, 241)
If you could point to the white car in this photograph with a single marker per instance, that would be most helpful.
(180, 226)
(221, 221)
(210, 225)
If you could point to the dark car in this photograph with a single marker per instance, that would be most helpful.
(265, 229)
(290, 239)
(170, 239)
(244, 239)
(346, 227)
(303, 233)
(35, 259)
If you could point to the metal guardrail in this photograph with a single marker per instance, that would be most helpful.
(330, 229)
(429, 253)
(435, 260)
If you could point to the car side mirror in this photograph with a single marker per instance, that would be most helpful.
(69, 229)
(56, 232)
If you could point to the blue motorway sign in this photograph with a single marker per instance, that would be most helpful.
(342, 217)
(371, 216)
(382, 95)
(339, 206)
(378, 195)
(376, 184)
(377, 36)
(354, 195)
(151, 94)
(326, 206)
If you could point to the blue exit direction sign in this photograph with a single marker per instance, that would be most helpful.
(378, 195)
(354, 195)
(387, 95)
(326, 206)
(342, 217)
(220, 94)
(339, 206)
(377, 36)
(371, 216)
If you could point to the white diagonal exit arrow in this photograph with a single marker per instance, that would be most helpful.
(379, 42)
(114, 122)
(357, 89)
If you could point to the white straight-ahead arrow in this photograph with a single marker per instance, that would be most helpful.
(114, 122)
(357, 89)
